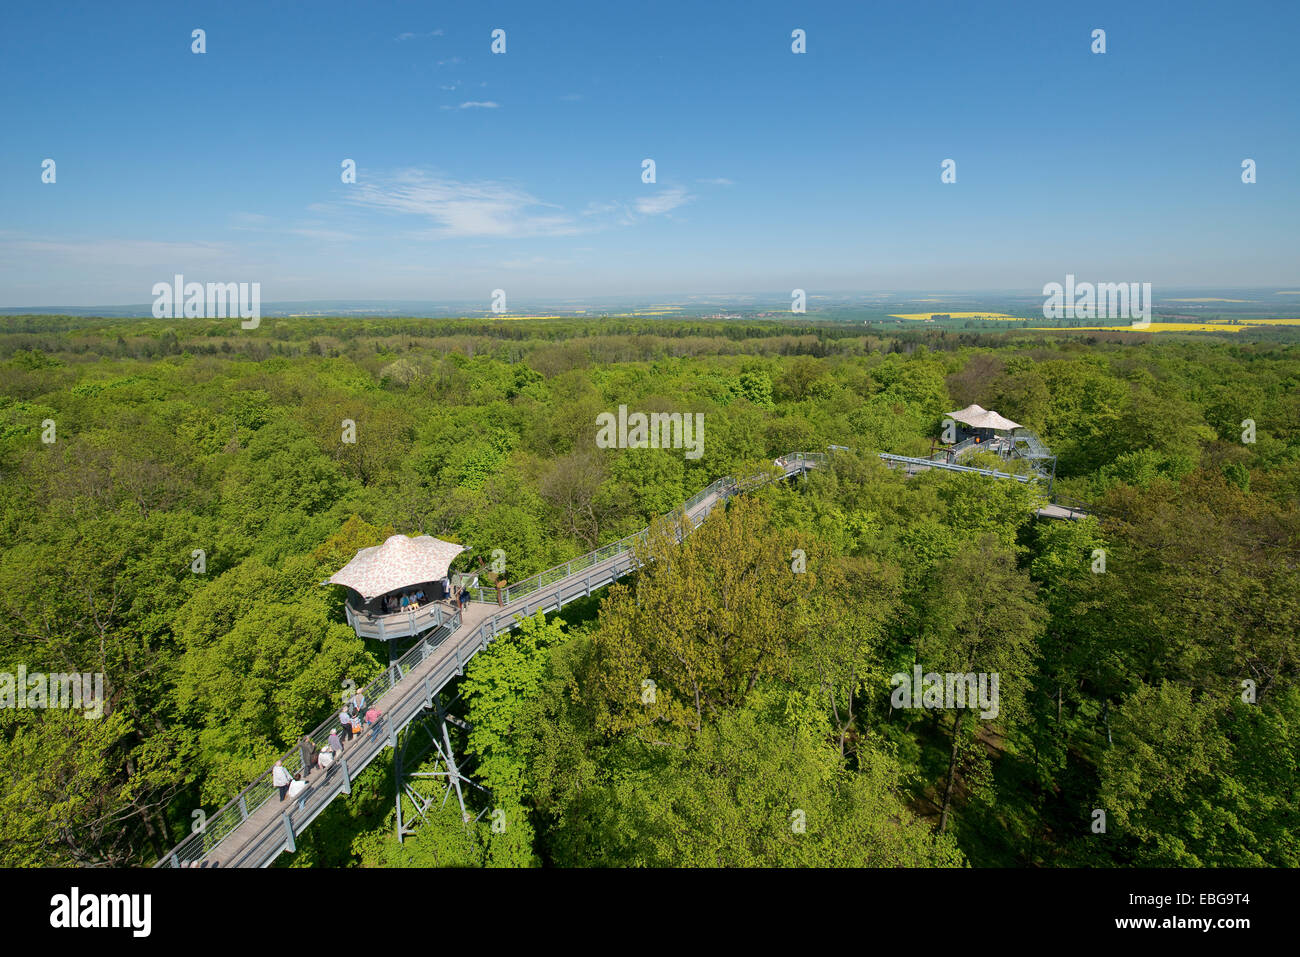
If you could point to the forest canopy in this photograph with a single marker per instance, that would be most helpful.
(1159, 689)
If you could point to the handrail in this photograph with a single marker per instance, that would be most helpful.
(959, 468)
(960, 448)
(513, 592)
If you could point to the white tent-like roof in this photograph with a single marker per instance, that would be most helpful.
(399, 562)
(980, 418)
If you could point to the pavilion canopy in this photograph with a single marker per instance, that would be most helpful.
(978, 417)
(399, 562)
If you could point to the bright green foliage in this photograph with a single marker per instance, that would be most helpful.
(1183, 795)
(760, 787)
(1120, 686)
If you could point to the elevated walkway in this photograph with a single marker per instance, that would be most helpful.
(254, 828)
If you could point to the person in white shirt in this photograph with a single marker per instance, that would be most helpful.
(296, 789)
(326, 757)
(280, 778)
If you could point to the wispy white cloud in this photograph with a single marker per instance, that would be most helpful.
(325, 235)
(718, 181)
(475, 105)
(532, 262)
(464, 209)
(248, 220)
(663, 201)
(419, 36)
(258, 223)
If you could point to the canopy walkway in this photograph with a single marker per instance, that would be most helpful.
(254, 827)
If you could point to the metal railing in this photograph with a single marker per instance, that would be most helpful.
(927, 463)
(1035, 446)
(399, 624)
(723, 488)
(956, 451)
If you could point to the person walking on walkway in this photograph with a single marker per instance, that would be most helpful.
(345, 719)
(297, 790)
(335, 744)
(305, 748)
(280, 778)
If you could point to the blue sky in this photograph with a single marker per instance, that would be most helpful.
(522, 171)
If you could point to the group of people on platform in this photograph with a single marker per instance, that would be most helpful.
(353, 717)
(406, 601)
(412, 600)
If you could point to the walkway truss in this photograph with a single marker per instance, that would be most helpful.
(254, 828)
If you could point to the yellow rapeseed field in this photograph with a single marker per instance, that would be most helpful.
(1153, 327)
(997, 316)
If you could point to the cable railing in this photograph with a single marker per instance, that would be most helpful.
(1037, 450)
(994, 473)
(723, 488)
(959, 449)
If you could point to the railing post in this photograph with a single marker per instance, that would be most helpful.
(243, 808)
(459, 666)
(175, 861)
(347, 776)
(428, 689)
(289, 844)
